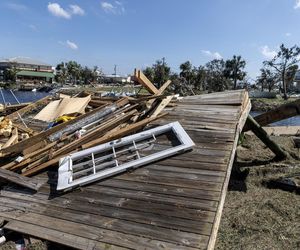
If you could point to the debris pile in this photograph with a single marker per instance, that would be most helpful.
(41, 133)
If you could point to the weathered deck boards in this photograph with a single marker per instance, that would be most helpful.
(173, 204)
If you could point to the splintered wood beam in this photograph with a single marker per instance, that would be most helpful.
(263, 136)
(24, 129)
(143, 80)
(94, 133)
(161, 106)
(150, 102)
(106, 138)
(22, 145)
(164, 87)
(283, 112)
(122, 132)
(13, 139)
(19, 179)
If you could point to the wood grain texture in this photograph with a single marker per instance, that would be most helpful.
(175, 203)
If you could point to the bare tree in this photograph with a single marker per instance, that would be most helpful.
(283, 63)
(267, 79)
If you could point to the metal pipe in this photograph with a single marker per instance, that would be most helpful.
(2, 96)
(14, 96)
(22, 120)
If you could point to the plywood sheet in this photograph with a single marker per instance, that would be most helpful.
(63, 107)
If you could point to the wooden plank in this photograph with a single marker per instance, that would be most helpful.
(100, 131)
(109, 218)
(108, 236)
(13, 139)
(204, 185)
(240, 124)
(19, 179)
(34, 147)
(161, 106)
(195, 203)
(108, 137)
(282, 112)
(29, 158)
(84, 201)
(144, 81)
(19, 147)
(263, 136)
(145, 228)
(63, 238)
(160, 188)
(177, 175)
(122, 132)
(24, 129)
(164, 87)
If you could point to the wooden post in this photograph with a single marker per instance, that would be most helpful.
(280, 113)
(263, 136)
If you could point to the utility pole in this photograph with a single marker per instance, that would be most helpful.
(115, 73)
(163, 71)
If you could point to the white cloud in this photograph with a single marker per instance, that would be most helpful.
(214, 55)
(33, 27)
(108, 7)
(114, 8)
(56, 10)
(267, 52)
(71, 45)
(297, 4)
(16, 6)
(288, 34)
(76, 10)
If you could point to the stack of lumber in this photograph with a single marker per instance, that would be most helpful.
(95, 120)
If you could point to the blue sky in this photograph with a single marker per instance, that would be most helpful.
(134, 33)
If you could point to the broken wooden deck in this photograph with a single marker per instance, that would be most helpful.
(174, 204)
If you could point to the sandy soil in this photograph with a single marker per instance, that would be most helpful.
(256, 216)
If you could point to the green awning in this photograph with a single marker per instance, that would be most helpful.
(35, 73)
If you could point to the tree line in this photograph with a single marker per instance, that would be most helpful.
(75, 73)
(216, 75)
(219, 74)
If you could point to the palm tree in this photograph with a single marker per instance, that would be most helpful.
(234, 69)
(186, 71)
(74, 70)
(61, 73)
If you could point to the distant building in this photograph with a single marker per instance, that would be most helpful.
(297, 76)
(297, 80)
(28, 70)
(115, 79)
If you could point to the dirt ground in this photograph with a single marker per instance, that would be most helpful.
(258, 215)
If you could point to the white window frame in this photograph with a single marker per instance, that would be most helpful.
(65, 171)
